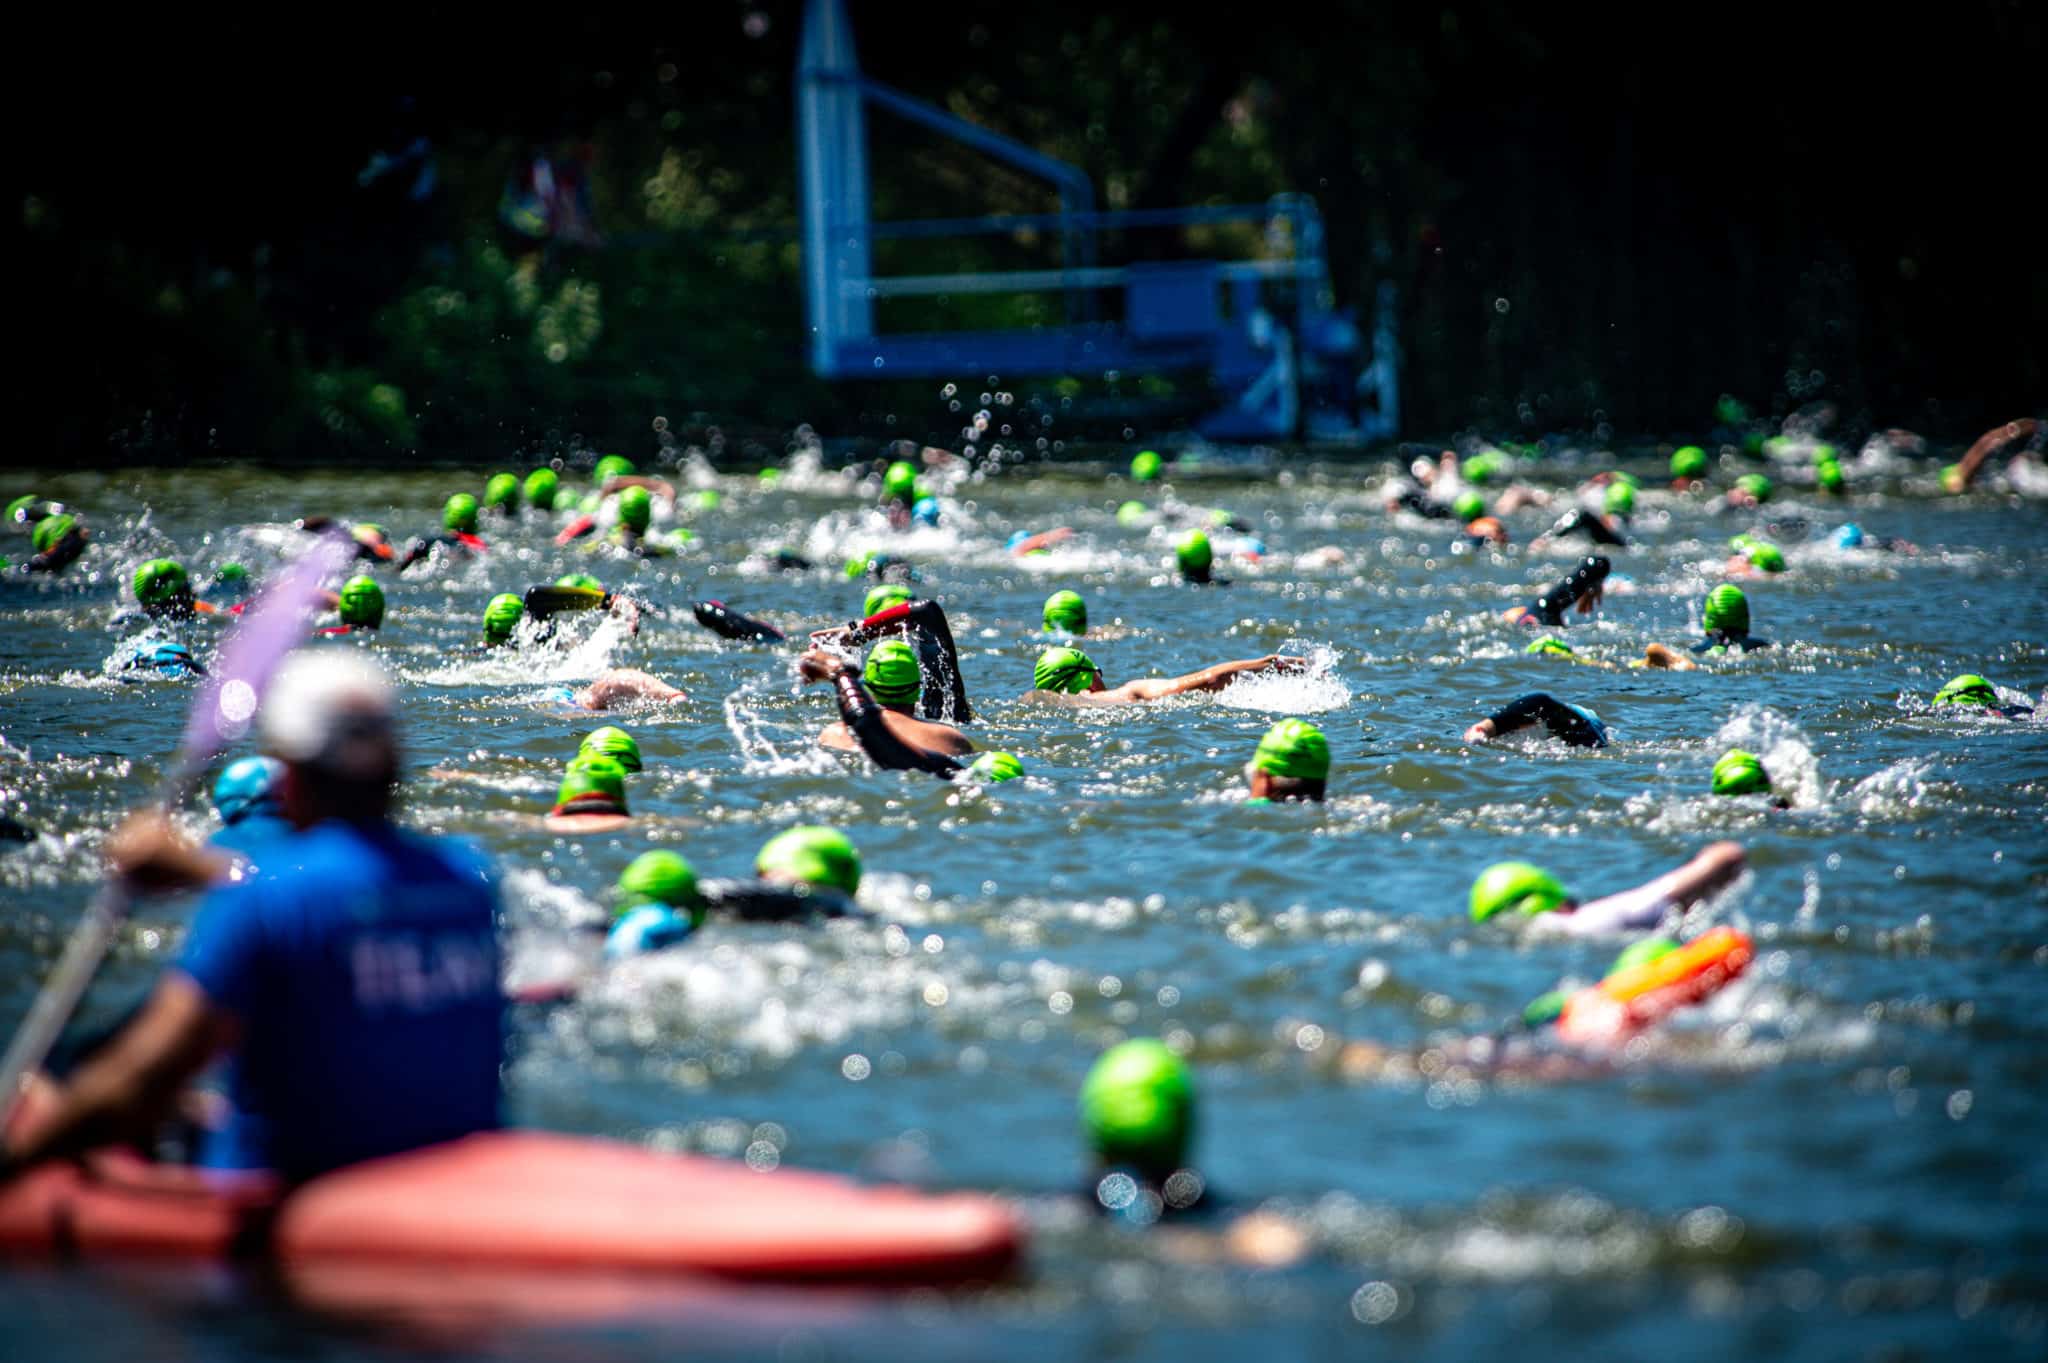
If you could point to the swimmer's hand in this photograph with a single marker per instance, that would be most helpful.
(1658, 655)
(1480, 732)
(153, 856)
(820, 666)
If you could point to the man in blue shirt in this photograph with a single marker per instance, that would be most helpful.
(353, 986)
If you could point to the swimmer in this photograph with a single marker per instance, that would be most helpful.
(1688, 468)
(1600, 529)
(591, 798)
(459, 518)
(622, 686)
(249, 797)
(501, 495)
(58, 539)
(1752, 557)
(501, 619)
(813, 861)
(1958, 476)
(373, 544)
(1751, 490)
(659, 905)
(1486, 530)
(1725, 616)
(1292, 763)
(1972, 691)
(925, 624)
(631, 534)
(165, 593)
(1071, 677)
(1520, 890)
(1572, 725)
(728, 623)
(925, 511)
(578, 592)
(1193, 555)
(876, 707)
(1581, 588)
(1851, 536)
(540, 489)
(614, 743)
(1739, 772)
(165, 658)
(1021, 543)
(1066, 613)
(361, 607)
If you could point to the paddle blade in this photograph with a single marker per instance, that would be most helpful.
(272, 625)
(541, 602)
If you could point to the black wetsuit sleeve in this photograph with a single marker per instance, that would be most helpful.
(930, 618)
(1551, 606)
(1576, 521)
(421, 548)
(1565, 724)
(761, 901)
(863, 719)
(1413, 500)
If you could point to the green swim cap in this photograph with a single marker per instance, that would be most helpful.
(1726, 609)
(19, 505)
(1968, 689)
(362, 602)
(1620, 499)
(1066, 610)
(1951, 477)
(899, 483)
(1756, 485)
(1767, 557)
(1469, 507)
(1130, 513)
(1688, 461)
(770, 476)
(1550, 643)
(1828, 474)
(705, 499)
(1145, 466)
(540, 488)
(891, 673)
(659, 878)
(1516, 887)
(882, 597)
(1482, 467)
(231, 575)
(1138, 1107)
(589, 777)
(614, 743)
(49, 530)
(811, 855)
(1193, 553)
(1296, 749)
(1642, 953)
(502, 490)
(610, 467)
(859, 564)
(1730, 410)
(1544, 1009)
(160, 581)
(636, 509)
(584, 580)
(501, 617)
(459, 514)
(1740, 773)
(996, 766)
(1066, 670)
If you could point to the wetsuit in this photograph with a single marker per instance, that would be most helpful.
(454, 540)
(926, 622)
(1567, 723)
(1549, 608)
(1578, 521)
(1720, 640)
(1412, 499)
(864, 720)
(728, 623)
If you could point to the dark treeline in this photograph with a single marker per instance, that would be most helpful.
(1589, 216)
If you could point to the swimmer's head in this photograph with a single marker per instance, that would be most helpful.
(1550, 643)
(891, 674)
(636, 509)
(1968, 689)
(810, 855)
(169, 659)
(592, 785)
(1828, 474)
(613, 742)
(583, 580)
(501, 617)
(859, 565)
(882, 597)
(1489, 529)
(610, 467)
(362, 602)
(1469, 507)
(1756, 485)
(1194, 556)
(1065, 610)
(1642, 953)
(249, 786)
(1483, 467)
(1688, 461)
(161, 585)
(1849, 536)
(1620, 499)
(659, 878)
(899, 482)
(501, 492)
(1138, 1108)
(925, 511)
(1516, 887)
(996, 766)
(1068, 671)
(1767, 558)
(540, 488)
(1130, 513)
(51, 530)
(1144, 466)
(458, 513)
(1726, 610)
(231, 577)
(1740, 773)
(1292, 762)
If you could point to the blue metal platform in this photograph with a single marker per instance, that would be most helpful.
(1287, 362)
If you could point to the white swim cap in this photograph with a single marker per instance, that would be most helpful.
(332, 707)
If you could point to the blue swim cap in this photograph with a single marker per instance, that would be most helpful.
(169, 659)
(926, 511)
(1849, 536)
(248, 785)
(649, 927)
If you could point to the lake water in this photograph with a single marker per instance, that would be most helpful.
(1841, 1156)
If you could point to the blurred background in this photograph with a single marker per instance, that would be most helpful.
(449, 232)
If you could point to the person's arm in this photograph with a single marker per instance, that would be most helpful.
(1988, 444)
(928, 616)
(625, 683)
(134, 1081)
(1211, 678)
(1710, 870)
(1566, 723)
(1582, 584)
(866, 722)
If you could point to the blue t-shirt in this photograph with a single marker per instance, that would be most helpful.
(364, 970)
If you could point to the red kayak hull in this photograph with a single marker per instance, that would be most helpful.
(520, 1199)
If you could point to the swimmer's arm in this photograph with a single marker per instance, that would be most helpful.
(1564, 723)
(1989, 443)
(1211, 678)
(929, 616)
(864, 720)
(1712, 869)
